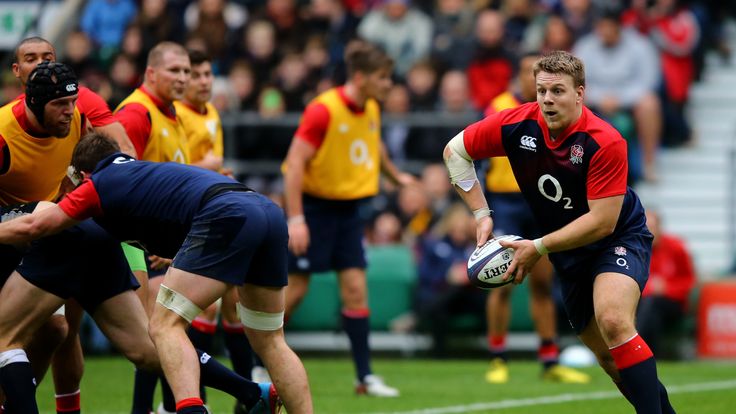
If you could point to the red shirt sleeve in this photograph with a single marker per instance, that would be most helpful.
(4, 156)
(94, 107)
(137, 123)
(483, 138)
(83, 202)
(313, 125)
(608, 171)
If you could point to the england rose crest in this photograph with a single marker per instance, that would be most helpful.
(576, 154)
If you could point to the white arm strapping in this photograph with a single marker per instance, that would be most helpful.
(460, 165)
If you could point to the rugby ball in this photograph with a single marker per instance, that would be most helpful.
(489, 262)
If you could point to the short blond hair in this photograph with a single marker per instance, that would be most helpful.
(561, 62)
(156, 55)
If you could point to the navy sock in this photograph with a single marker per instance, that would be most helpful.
(664, 400)
(16, 379)
(239, 349)
(638, 370)
(167, 396)
(217, 376)
(143, 389)
(202, 334)
(355, 323)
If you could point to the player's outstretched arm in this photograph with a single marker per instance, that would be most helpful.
(299, 154)
(390, 170)
(116, 131)
(462, 175)
(46, 219)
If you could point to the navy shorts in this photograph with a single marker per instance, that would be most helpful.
(628, 255)
(83, 262)
(336, 236)
(237, 237)
(512, 215)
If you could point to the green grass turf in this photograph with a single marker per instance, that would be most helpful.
(426, 384)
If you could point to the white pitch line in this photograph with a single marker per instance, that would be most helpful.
(562, 398)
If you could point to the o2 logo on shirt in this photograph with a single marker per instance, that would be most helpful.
(359, 153)
(557, 196)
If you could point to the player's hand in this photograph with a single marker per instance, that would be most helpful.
(158, 263)
(227, 172)
(525, 257)
(484, 230)
(298, 238)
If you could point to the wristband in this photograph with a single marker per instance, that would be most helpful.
(541, 248)
(295, 219)
(482, 212)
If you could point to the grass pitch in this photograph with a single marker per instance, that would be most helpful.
(438, 387)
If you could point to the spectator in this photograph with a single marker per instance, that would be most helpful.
(386, 229)
(396, 132)
(317, 58)
(290, 79)
(443, 290)
(104, 21)
(216, 22)
(664, 301)
(622, 76)
(579, 16)
(124, 78)
(78, 54)
(453, 33)
(260, 49)
(156, 24)
(491, 68)
(557, 35)
(331, 20)
(403, 32)
(289, 25)
(243, 85)
(675, 32)
(422, 83)
(132, 46)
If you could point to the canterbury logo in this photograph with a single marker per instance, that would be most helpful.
(528, 142)
(71, 87)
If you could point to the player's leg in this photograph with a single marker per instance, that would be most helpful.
(261, 309)
(296, 290)
(67, 365)
(497, 317)
(23, 310)
(615, 298)
(182, 296)
(124, 322)
(236, 342)
(144, 382)
(544, 315)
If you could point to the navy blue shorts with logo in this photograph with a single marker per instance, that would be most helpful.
(237, 237)
(628, 255)
(512, 215)
(83, 262)
(336, 236)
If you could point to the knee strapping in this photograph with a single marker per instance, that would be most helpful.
(177, 303)
(261, 321)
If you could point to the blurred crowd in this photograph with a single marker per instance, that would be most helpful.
(452, 56)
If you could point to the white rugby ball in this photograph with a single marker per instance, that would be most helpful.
(488, 263)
